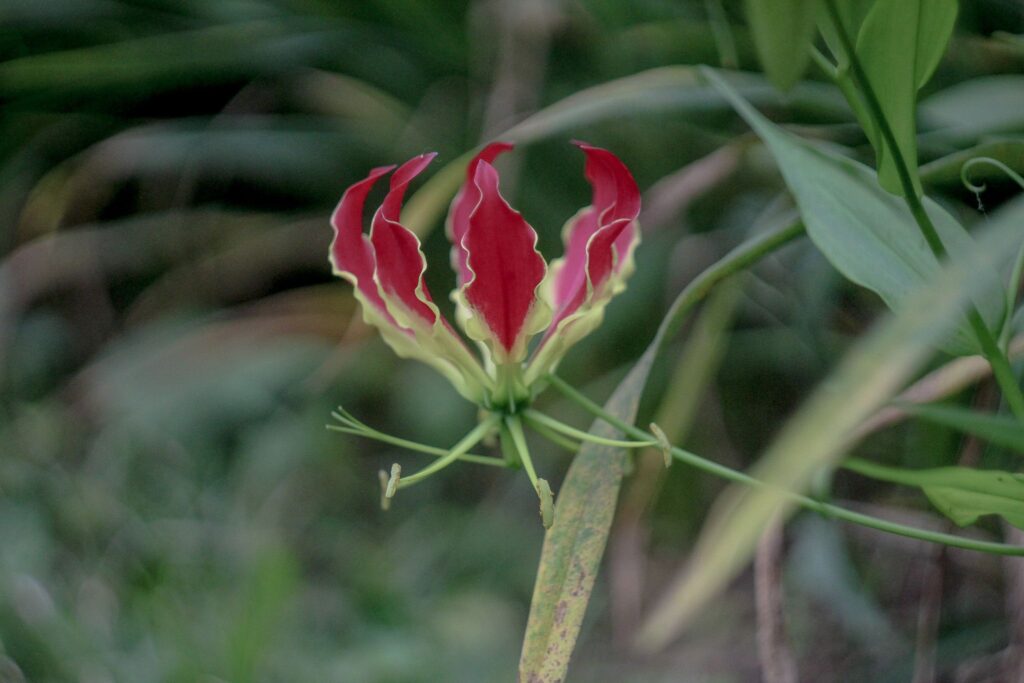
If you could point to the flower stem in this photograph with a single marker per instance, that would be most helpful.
(540, 419)
(1001, 368)
(458, 450)
(806, 502)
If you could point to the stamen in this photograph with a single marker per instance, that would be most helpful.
(537, 418)
(547, 503)
(663, 443)
(541, 486)
(556, 438)
(350, 425)
(458, 450)
(388, 485)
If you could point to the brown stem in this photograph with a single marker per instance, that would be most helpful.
(777, 662)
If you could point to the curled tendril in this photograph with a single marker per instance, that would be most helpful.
(978, 189)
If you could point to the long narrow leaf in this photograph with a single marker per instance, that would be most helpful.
(899, 46)
(820, 432)
(867, 234)
(586, 503)
(575, 543)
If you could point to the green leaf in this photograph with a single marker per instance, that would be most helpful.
(867, 234)
(782, 31)
(153, 61)
(899, 46)
(1001, 430)
(586, 503)
(820, 432)
(961, 493)
(976, 107)
(573, 546)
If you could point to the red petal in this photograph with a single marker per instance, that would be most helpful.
(463, 205)
(614, 187)
(571, 277)
(351, 251)
(503, 260)
(608, 222)
(400, 263)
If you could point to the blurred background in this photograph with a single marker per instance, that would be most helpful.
(172, 342)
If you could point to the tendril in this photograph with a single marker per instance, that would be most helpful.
(977, 189)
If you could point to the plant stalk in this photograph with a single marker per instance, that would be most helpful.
(803, 501)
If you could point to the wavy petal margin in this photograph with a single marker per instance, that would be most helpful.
(400, 261)
(387, 269)
(599, 244)
(462, 206)
(506, 271)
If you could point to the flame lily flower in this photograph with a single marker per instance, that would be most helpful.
(506, 293)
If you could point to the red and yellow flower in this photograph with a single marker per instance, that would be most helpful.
(506, 293)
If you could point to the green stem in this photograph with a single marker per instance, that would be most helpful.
(515, 429)
(458, 450)
(989, 347)
(1000, 365)
(806, 502)
(415, 446)
(827, 67)
(537, 418)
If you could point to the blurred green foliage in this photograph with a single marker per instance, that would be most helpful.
(172, 342)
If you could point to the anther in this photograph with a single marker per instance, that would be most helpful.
(547, 503)
(663, 443)
(388, 485)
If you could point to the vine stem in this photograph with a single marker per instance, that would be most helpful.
(806, 502)
(1001, 368)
